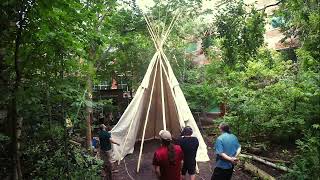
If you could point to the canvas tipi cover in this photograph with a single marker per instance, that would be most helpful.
(158, 104)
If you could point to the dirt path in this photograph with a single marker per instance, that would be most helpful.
(146, 171)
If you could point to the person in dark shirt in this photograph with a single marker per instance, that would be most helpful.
(189, 145)
(167, 158)
(105, 151)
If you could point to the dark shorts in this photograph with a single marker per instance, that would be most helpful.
(105, 157)
(222, 174)
(188, 167)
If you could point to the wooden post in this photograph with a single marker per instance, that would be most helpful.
(159, 49)
(89, 114)
(136, 110)
(147, 117)
(173, 95)
(129, 130)
(162, 97)
(171, 88)
(125, 140)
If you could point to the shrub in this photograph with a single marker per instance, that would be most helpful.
(307, 164)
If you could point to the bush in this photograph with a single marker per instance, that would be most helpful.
(307, 164)
(49, 155)
(78, 165)
(4, 155)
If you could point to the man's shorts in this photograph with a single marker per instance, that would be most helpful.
(105, 157)
(189, 167)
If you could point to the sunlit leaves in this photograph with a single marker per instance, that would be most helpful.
(240, 33)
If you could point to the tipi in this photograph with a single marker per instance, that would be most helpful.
(158, 104)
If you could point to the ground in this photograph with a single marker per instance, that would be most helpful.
(273, 151)
(129, 165)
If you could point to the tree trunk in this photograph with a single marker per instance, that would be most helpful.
(283, 168)
(257, 171)
(89, 103)
(223, 110)
(15, 121)
(89, 113)
(17, 168)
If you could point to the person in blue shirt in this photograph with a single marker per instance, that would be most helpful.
(226, 148)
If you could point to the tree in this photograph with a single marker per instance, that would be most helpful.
(240, 32)
(259, 85)
(301, 20)
(44, 55)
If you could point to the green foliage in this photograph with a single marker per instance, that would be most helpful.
(198, 93)
(258, 96)
(186, 27)
(302, 19)
(4, 153)
(54, 158)
(240, 33)
(63, 44)
(307, 163)
(4, 138)
(54, 60)
(268, 94)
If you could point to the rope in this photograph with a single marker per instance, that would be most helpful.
(125, 166)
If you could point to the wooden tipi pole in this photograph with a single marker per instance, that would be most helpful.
(147, 116)
(136, 110)
(158, 47)
(162, 97)
(172, 93)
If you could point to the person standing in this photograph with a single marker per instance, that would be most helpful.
(226, 148)
(167, 158)
(189, 145)
(105, 151)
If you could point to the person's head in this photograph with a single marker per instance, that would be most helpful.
(103, 127)
(166, 140)
(224, 127)
(165, 135)
(187, 131)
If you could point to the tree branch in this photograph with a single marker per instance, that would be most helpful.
(270, 5)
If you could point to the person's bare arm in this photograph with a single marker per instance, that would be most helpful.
(114, 142)
(233, 160)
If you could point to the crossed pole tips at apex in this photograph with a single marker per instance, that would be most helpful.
(159, 39)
